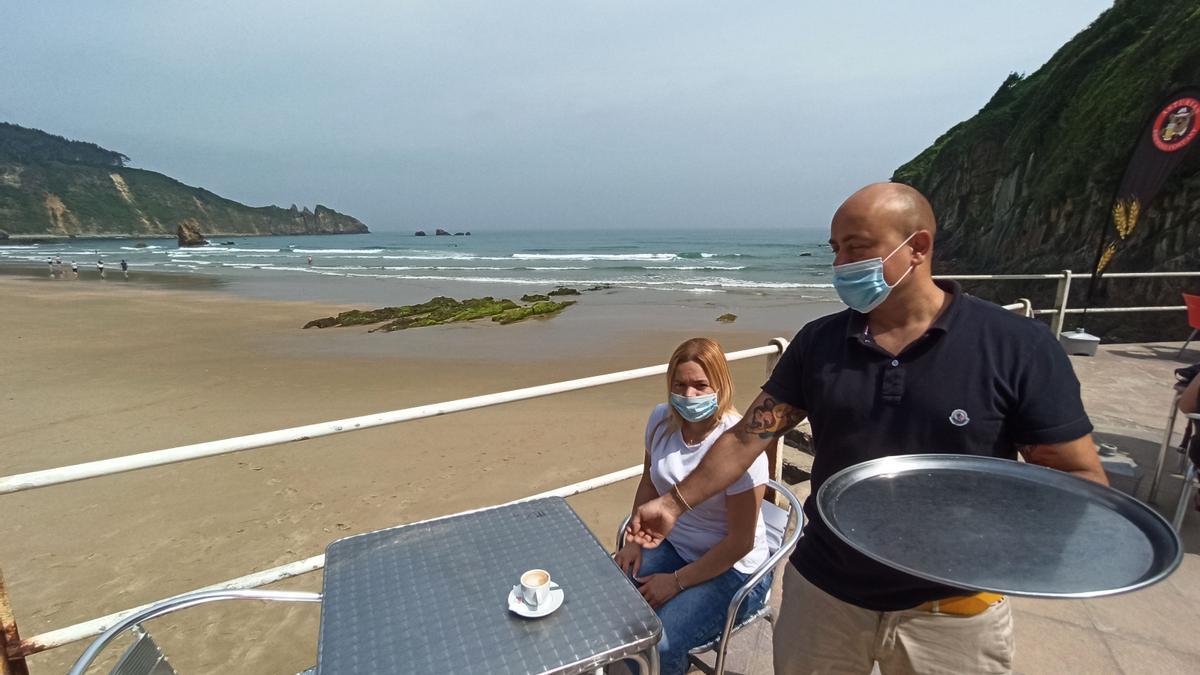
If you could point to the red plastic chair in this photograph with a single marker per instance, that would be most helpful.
(1193, 309)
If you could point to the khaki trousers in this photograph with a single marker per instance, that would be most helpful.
(817, 633)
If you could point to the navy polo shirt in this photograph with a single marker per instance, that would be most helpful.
(980, 381)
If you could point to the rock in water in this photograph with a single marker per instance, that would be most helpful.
(727, 318)
(419, 233)
(441, 233)
(3, 234)
(189, 234)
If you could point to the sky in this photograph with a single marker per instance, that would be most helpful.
(523, 115)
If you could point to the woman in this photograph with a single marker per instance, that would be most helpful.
(690, 578)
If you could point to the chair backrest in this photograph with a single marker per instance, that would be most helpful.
(143, 657)
(775, 520)
(1193, 309)
(145, 654)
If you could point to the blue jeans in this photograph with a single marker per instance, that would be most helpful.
(696, 615)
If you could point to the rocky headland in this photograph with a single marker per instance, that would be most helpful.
(55, 188)
(1027, 184)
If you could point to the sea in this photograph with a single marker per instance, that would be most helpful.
(353, 268)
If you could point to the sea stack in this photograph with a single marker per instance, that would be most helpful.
(188, 234)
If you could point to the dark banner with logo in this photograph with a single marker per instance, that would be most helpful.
(1161, 147)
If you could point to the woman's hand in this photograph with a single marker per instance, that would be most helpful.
(629, 559)
(657, 589)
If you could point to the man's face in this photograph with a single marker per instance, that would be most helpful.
(854, 239)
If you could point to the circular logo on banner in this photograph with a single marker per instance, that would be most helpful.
(1175, 125)
(959, 418)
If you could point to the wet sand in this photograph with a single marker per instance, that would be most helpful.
(97, 370)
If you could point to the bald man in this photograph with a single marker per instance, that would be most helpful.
(913, 366)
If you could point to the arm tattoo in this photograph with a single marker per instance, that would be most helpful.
(772, 418)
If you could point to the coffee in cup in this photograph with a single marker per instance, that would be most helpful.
(535, 587)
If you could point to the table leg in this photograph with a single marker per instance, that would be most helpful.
(1162, 449)
(647, 661)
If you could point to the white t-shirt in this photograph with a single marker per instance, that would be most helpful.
(671, 460)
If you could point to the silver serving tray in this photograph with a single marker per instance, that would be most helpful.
(989, 524)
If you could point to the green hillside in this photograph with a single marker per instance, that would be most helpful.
(54, 187)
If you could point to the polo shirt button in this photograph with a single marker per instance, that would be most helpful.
(895, 363)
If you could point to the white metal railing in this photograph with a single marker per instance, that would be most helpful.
(1060, 310)
(17, 650)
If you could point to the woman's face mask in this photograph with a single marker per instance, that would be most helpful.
(861, 284)
(694, 408)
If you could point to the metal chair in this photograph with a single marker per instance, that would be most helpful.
(1193, 314)
(783, 531)
(143, 657)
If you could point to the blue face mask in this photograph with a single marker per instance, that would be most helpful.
(861, 284)
(694, 408)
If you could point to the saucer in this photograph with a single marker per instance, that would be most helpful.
(517, 606)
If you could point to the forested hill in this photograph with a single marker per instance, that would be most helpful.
(54, 187)
(1027, 183)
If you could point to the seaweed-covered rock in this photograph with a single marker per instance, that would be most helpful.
(441, 310)
(327, 322)
(599, 287)
(545, 308)
(563, 290)
(534, 297)
(727, 318)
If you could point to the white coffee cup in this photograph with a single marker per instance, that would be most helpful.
(535, 587)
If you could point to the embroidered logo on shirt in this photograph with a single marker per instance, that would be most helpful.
(959, 418)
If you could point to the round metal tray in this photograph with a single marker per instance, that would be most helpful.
(989, 524)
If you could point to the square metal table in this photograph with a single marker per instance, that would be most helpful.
(432, 597)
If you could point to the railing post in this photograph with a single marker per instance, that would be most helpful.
(775, 451)
(1060, 302)
(10, 639)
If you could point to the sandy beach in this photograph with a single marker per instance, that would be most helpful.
(105, 369)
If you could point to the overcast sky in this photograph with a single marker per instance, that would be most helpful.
(523, 114)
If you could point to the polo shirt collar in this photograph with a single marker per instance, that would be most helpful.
(857, 325)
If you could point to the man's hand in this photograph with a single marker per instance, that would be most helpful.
(629, 559)
(652, 521)
(657, 589)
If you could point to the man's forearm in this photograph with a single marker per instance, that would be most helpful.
(728, 458)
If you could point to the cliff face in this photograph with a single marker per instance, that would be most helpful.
(50, 186)
(1027, 184)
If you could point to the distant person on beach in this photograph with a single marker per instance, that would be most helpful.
(57, 266)
(913, 366)
(75, 269)
(690, 577)
(310, 261)
(50, 264)
(100, 267)
(125, 268)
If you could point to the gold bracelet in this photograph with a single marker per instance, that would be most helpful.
(679, 496)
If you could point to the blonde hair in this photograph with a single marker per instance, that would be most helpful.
(708, 354)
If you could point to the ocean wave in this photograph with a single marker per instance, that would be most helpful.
(594, 256)
(139, 248)
(338, 250)
(692, 268)
(213, 248)
(692, 284)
